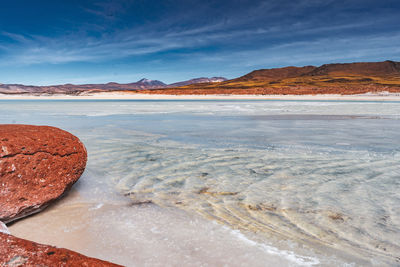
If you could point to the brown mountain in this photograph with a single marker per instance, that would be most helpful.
(385, 68)
(275, 74)
(347, 78)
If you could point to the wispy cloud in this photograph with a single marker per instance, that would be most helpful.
(38, 49)
(75, 48)
(234, 35)
(316, 52)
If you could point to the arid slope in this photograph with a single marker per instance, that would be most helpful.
(348, 78)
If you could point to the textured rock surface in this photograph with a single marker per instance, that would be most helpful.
(37, 165)
(19, 252)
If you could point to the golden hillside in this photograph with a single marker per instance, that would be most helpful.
(348, 78)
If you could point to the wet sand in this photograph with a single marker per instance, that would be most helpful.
(147, 235)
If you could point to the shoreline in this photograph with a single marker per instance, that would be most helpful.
(134, 96)
(132, 239)
(95, 204)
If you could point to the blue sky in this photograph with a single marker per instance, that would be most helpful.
(46, 42)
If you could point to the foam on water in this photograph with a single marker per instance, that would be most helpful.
(289, 255)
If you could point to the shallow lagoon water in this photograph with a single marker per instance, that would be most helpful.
(318, 181)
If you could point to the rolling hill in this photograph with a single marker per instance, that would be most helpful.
(347, 78)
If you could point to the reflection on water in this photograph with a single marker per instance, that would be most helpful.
(320, 173)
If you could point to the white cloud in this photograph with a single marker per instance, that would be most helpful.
(246, 42)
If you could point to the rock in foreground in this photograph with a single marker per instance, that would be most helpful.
(37, 165)
(19, 252)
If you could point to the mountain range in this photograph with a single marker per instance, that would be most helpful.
(143, 84)
(344, 78)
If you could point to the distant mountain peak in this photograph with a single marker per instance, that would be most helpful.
(338, 78)
(145, 80)
(152, 83)
(198, 80)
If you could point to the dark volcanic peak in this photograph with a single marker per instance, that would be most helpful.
(147, 84)
(110, 84)
(151, 82)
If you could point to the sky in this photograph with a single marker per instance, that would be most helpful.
(45, 42)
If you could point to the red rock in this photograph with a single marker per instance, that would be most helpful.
(38, 164)
(19, 252)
